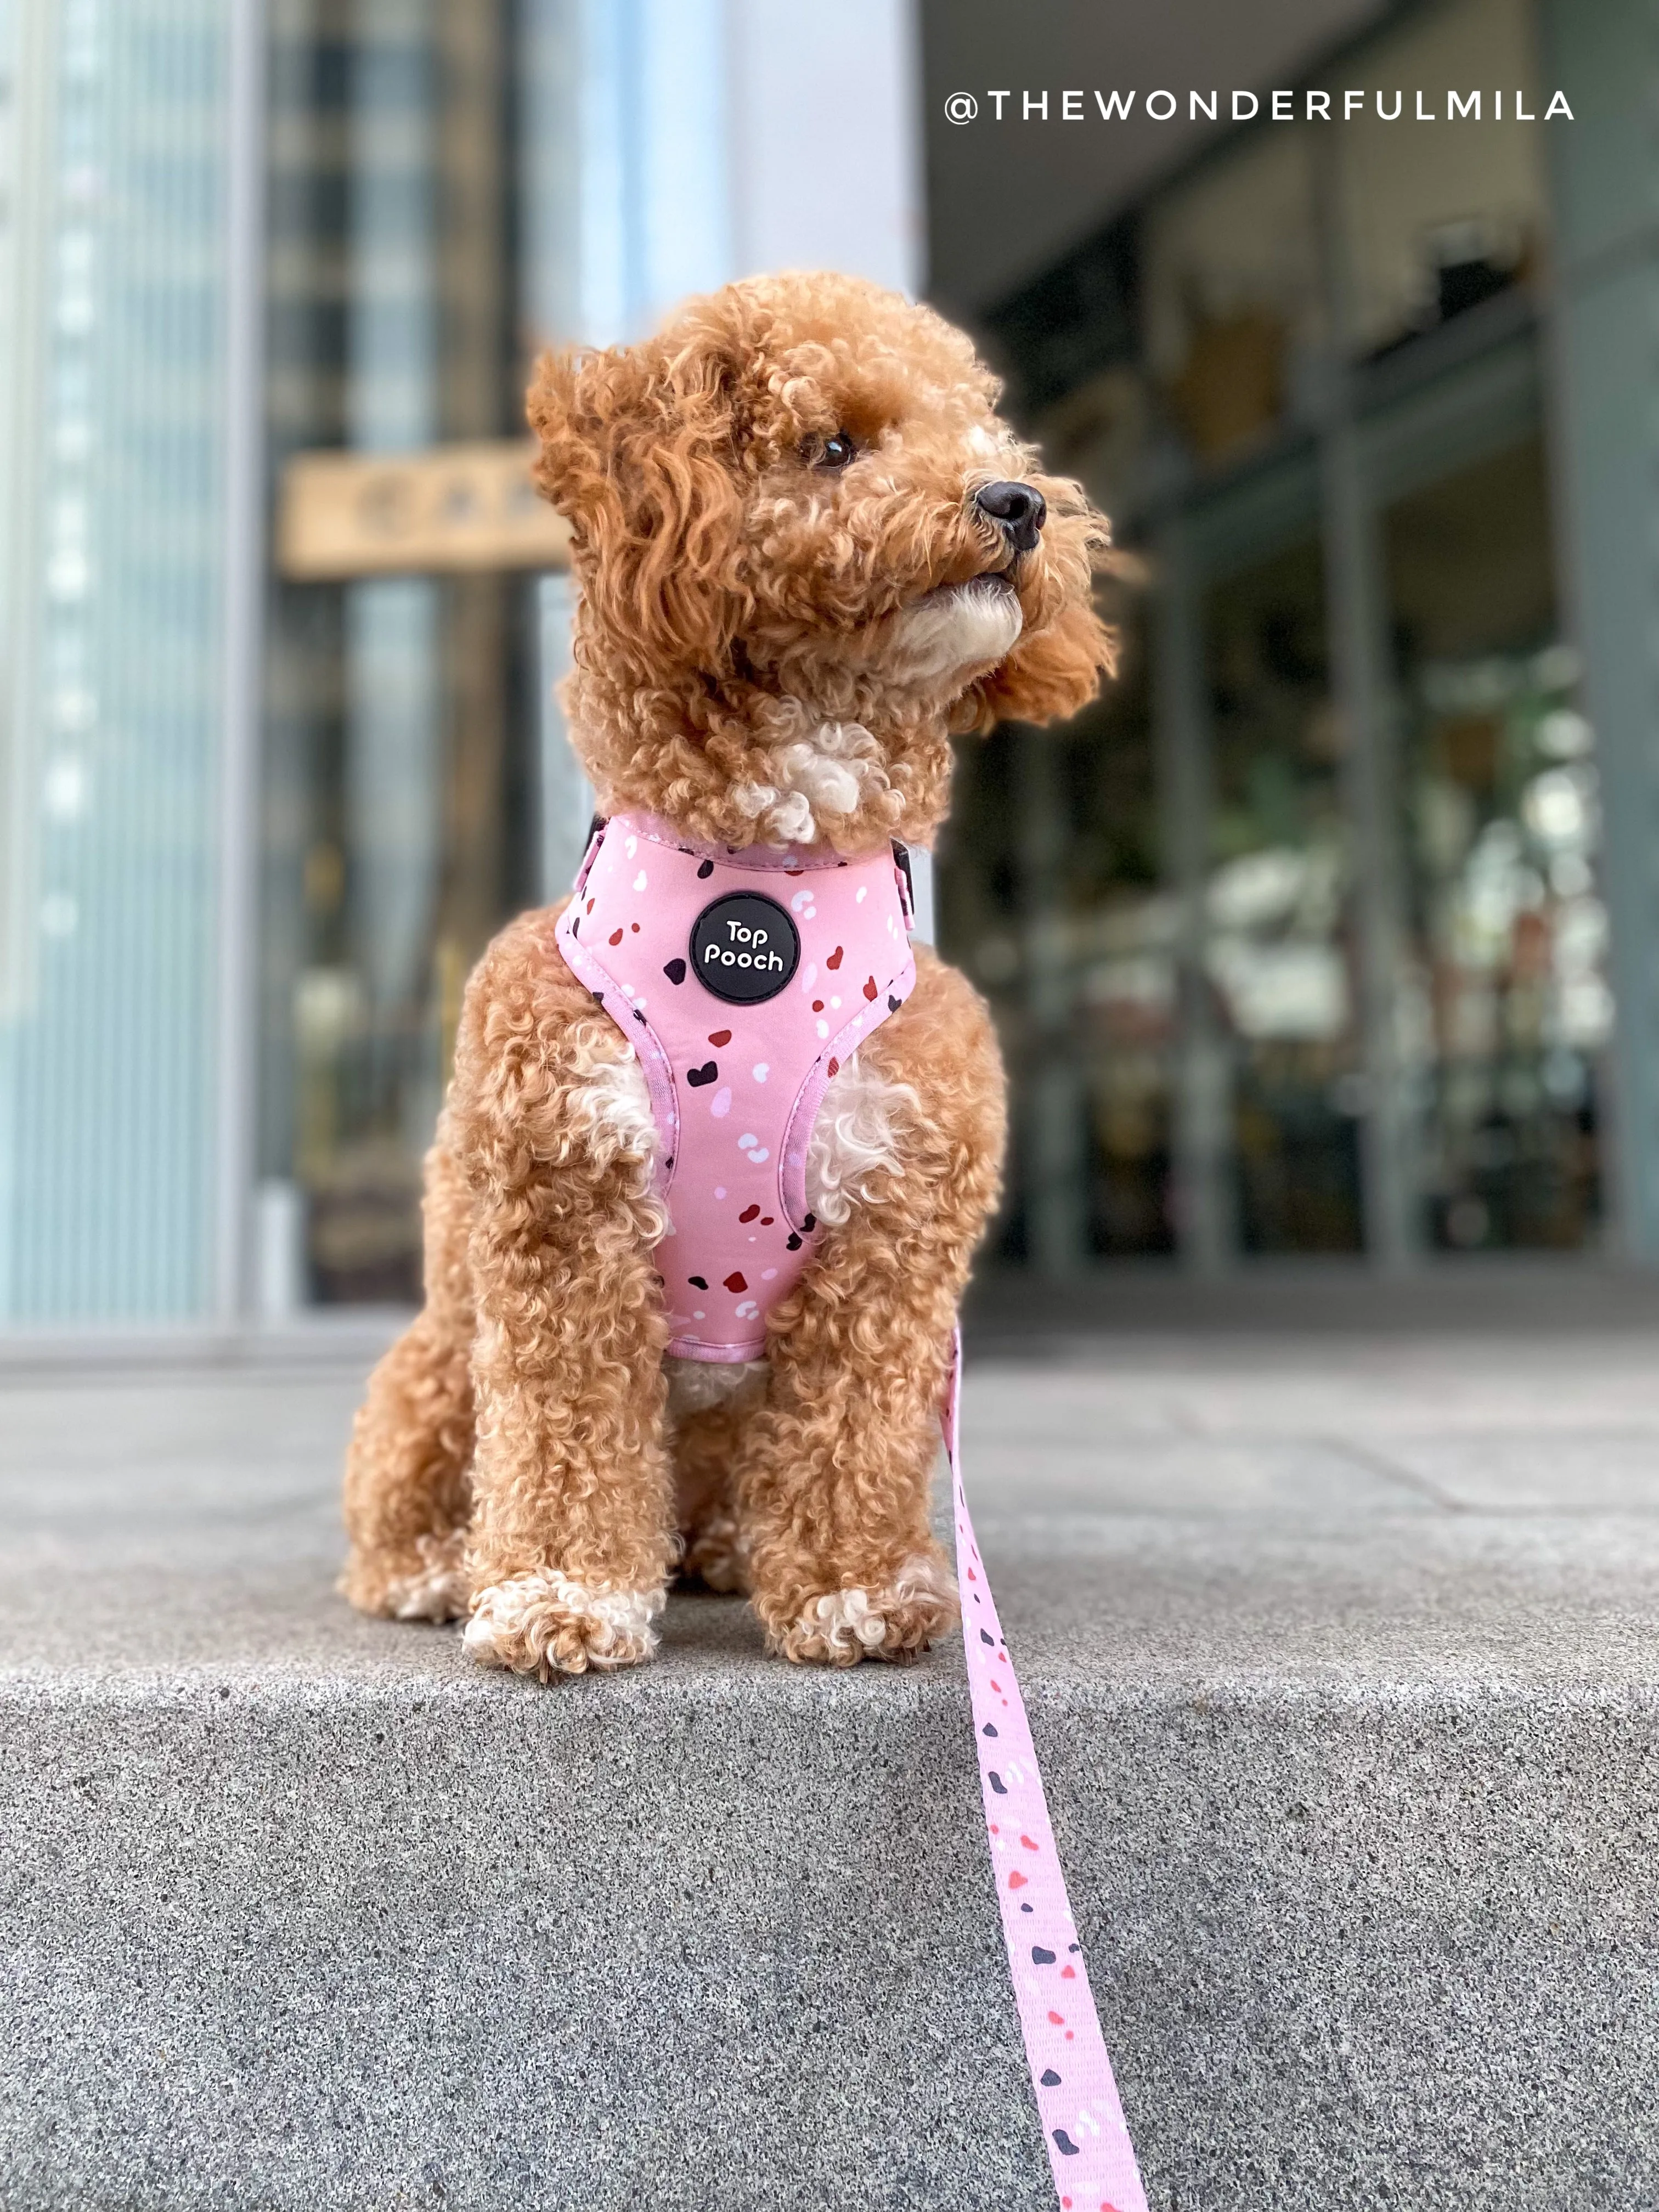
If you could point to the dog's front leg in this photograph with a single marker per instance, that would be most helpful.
(834, 1477)
(573, 1532)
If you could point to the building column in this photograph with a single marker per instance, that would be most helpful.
(1605, 175)
(1363, 690)
(1206, 1234)
(236, 1148)
(1052, 1132)
(826, 167)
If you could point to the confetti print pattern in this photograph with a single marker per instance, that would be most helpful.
(735, 1090)
(1088, 2148)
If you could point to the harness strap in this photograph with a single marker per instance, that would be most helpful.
(907, 883)
(1083, 2124)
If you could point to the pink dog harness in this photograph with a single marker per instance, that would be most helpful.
(743, 979)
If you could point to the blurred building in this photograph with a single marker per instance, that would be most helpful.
(1327, 932)
(1308, 939)
(279, 753)
(123, 488)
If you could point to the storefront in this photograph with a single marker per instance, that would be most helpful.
(1299, 939)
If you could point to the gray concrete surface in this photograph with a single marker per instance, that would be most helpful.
(1342, 1658)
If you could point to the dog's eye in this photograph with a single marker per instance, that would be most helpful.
(838, 452)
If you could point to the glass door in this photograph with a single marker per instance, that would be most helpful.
(1277, 926)
(1508, 933)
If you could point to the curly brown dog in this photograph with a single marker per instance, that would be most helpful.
(809, 552)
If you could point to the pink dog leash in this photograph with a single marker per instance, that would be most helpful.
(1083, 2124)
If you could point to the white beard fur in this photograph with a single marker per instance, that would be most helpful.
(949, 633)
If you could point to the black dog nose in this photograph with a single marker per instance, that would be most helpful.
(1020, 510)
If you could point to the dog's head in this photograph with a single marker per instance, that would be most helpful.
(808, 551)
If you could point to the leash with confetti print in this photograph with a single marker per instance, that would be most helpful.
(1082, 2125)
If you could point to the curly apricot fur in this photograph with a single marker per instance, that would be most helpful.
(747, 616)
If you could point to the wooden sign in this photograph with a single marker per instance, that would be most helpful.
(466, 506)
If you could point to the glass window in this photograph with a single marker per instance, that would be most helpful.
(1508, 932)
(1278, 955)
(402, 728)
(1436, 219)
(1233, 314)
(978, 894)
(1052, 898)
(1123, 938)
(408, 791)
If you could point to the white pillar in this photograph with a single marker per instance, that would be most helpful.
(237, 1114)
(825, 148)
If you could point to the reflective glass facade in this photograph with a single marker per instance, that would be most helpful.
(114, 182)
(399, 746)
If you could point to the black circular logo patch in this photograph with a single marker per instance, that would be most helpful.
(745, 948)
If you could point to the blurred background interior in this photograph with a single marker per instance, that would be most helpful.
(1330, 932)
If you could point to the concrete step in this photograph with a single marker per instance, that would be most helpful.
(1341, 1657)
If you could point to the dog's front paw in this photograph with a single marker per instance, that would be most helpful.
(429, 1583)
(545, 1624)
(896, 1620)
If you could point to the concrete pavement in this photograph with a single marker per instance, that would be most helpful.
(1341, 1654)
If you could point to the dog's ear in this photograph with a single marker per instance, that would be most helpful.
(640, 448)
(562, 406)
